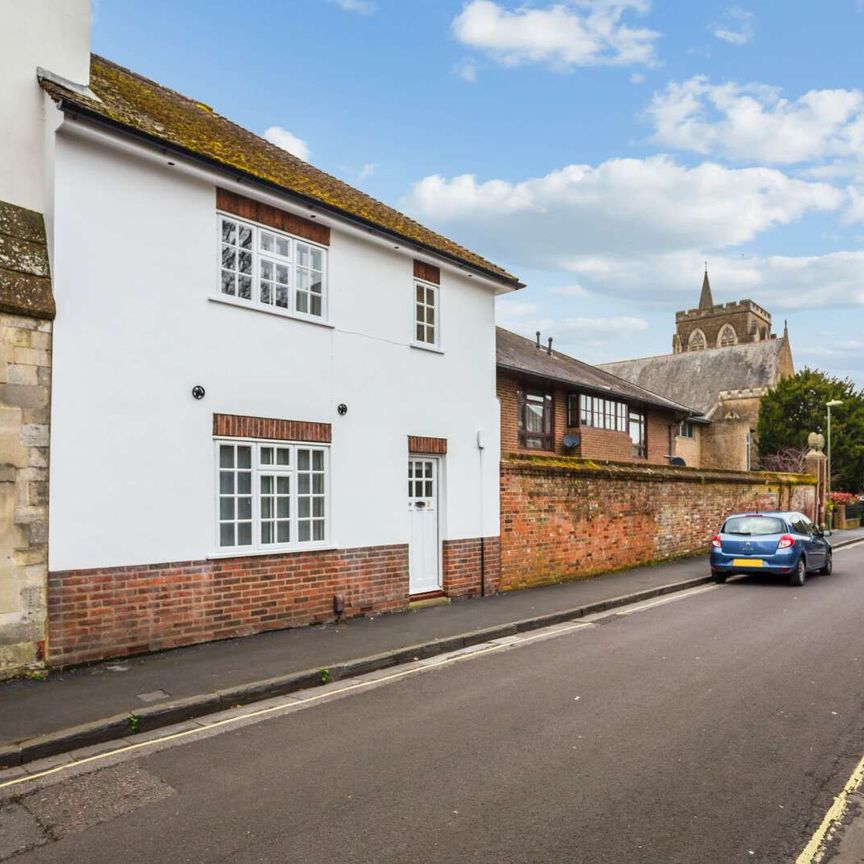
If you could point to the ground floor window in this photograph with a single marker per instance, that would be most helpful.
(271, 495)
(637, 434)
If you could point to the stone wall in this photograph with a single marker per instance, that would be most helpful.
(25, 387)
(566, 518)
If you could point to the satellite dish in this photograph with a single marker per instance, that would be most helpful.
(571, 440)
(678, 462)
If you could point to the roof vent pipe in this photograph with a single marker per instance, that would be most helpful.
(549, 348)
(538, 338)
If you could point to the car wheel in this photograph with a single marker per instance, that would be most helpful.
(720, 578)
(829, 565)
(799, 574)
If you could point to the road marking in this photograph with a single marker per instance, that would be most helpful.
(670, 598)
(812, 851)
(294, 702)
(848, 545)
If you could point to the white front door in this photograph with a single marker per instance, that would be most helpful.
(425, 552)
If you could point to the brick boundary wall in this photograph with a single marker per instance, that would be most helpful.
(118, 611)
(567, 518)
(461, 566)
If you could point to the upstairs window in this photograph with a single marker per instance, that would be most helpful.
(597, 413)
(535, 420)
(272, 270)
(686, 429)
(426, 326)
(637, 435)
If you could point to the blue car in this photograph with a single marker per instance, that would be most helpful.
(783, 543)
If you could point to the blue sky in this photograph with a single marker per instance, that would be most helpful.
(600, 149)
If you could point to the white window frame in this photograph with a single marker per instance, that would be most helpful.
(291, 260)
(260, 469)
(436, 325)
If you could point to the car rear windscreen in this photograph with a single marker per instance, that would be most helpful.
(754, 525)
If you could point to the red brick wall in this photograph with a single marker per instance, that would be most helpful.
(116, 611)
(461, 564)
(568, 520)
(594, 444)
(427, 446)
(239, 426)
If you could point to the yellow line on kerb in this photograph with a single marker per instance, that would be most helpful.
(832, 817)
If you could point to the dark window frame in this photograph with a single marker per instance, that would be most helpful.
(640, 418)
(597, 412)
(531, 440)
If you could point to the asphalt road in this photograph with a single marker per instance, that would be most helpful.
(713, 728)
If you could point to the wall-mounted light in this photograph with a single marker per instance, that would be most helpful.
(198, 392)
(342, 409)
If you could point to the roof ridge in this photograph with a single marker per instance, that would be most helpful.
(704, 351)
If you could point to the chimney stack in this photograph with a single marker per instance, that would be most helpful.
(538, 338)
(549, 348)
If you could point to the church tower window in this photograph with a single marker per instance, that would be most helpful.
(727, 336)
(696, 342)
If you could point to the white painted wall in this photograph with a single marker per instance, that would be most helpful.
(132, 476)
(53, 34)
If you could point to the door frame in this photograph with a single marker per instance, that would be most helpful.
(438, 460)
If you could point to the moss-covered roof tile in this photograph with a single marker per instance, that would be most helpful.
(144, 106)
(25, 279)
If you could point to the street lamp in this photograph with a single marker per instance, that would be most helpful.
(829, 405)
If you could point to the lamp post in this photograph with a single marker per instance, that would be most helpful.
(829, 405)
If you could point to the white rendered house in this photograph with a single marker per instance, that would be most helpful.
(273, 397)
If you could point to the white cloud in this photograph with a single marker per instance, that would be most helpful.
(574, 290)
(364, 7)
(637, 78)
(575, 335)
(561, 35)
(466, 70)
(777, 282)
(629, 207)
(367, 170)
(288, 141)
(736, 28)
(753, 122)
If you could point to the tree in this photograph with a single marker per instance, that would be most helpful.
(796, 407)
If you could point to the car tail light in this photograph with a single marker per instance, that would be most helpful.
(786, 541)
(715, 541)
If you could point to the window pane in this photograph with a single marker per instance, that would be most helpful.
(244, 287)
(246, 238)
(283, 532)
(283, 508)
(317, 460)
(244, 262)
(244, 534)
(304, 531)
(266, 459)
(318, 529)
(267, 507)
(244, 508)
(226, 456)
(283, 456)
(244, 482)
(244, 457)
(303, 460)
(267, 532)
(226, 508)
(226, 534)
(283, 247)
(266, 241)
(229, 257)
(229, 231)
(303, 508)
(229, 283)
(315, 307)
(420, 293)
(226, 482)
(318, 505)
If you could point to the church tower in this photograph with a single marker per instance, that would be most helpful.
(719, 325)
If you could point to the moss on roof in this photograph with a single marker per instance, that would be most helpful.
(25, 278)
(144, 106)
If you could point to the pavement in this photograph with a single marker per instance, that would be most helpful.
(105, 701)
(712, 726)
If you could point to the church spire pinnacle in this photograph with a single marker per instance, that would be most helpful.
(706, 301)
